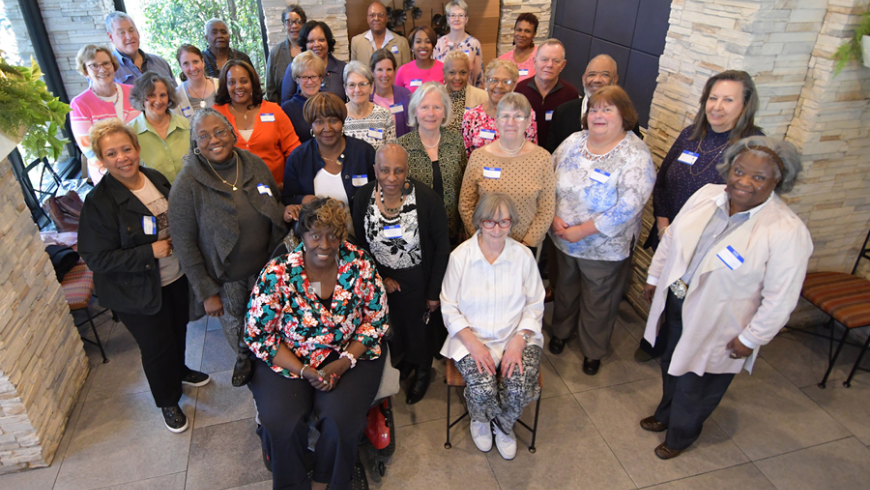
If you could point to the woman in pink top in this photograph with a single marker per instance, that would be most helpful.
(424, 68)
(525, 30)
(103, 100)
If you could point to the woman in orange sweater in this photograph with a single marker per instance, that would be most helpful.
(261, 126)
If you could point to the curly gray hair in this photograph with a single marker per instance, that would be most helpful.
(144, 86)
(197, 119)
(788, 156)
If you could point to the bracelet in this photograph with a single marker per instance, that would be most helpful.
(303, 369)
(350, 357)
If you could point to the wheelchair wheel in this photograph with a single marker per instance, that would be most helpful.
(387, 409)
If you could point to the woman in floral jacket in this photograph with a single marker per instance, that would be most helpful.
(315, 320)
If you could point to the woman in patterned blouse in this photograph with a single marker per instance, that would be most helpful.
(459, 40)
(365, 120)
(604, 176)
(315, 321)
(478, 124)
(457, 70)
(402, 224)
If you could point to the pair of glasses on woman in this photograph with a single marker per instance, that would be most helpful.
(205, 136)
(490, 224)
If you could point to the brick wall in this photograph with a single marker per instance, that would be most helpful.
(330, 11)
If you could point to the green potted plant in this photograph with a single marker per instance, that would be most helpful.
(857, 48)
(29, 113)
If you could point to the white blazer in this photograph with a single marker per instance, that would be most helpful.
(754, 299)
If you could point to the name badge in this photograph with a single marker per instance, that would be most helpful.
(397, 109)
(264, 189)
(394, 50)
(186, 111)
(360, 180)
(377, 134)
(267, 117)
(688, 157)
(731, 258)
(548, 116)
(524, 73)
(467, 109)
(466, 51)
(393, 231)
(487, 134)
(417, 82)
(491, 172)
(600, 176)
(149, 225)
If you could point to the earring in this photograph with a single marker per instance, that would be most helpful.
(196, 151)
(311, 131)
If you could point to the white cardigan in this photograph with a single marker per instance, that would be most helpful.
(754, 299)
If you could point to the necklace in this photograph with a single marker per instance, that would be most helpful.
(437, 142)
(233, 185)
(202, 98)
(701, 170)
(115, 94)
(392, 211)
(511, 152)
(245, 114)
(338, 161)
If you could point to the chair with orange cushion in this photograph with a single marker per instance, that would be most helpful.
(454, 380)
(845, 298)
(78, 287)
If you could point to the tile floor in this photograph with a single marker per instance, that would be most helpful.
(774, 430)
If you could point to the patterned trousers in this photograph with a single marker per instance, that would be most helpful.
(495, 398)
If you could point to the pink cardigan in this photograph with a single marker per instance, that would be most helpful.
(86, 109)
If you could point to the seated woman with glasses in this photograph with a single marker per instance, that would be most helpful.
(459, 40)
(478, 124)
(514, 166)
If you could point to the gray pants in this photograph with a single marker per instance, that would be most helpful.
(495, 398)
(234, 296)
(587, 296)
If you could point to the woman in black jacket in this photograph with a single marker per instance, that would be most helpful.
(403, 225)
(124, 239)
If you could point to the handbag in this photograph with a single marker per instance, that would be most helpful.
(65, 211)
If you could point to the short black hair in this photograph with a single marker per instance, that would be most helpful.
(310, 26)
(223, 94)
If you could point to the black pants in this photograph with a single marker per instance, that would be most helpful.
(162, 338)
(284, 406)
(687, 400)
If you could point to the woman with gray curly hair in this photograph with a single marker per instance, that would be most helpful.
(733, 262)
(163, 135)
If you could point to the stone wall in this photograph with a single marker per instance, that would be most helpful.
(330, 11)
(42, 361)
(511, 9)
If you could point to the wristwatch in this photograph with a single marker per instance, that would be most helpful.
(526, 337)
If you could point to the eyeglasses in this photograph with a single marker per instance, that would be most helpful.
(507, 82)
(219, 134)
(297, 22)
(378, 15)
(456, 16)
(97, 66)
(489, 224)
(507, 117)
(362, 85)
(308, 79)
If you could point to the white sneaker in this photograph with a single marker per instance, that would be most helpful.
(481, 434)
(505, 443)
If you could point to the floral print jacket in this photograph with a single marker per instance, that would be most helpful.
(282, 308)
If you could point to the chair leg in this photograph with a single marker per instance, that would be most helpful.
(532, 448)
(447, 444)
(96, 335)
(833, 360)
(848, 382)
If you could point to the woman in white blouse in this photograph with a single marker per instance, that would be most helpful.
(492, 300)
(365, 120)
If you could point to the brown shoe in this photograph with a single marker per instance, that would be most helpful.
(664, 452)
(651, 424)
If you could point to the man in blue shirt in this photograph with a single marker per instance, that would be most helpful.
(133, 61)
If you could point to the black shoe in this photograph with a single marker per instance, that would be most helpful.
(242, 371)
(195, 378)
(174, 419)
(266, 460)
(557, 345)
(421, 384)
(591, 366)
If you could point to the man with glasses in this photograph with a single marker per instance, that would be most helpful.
(546, 91)
(218, 52)
(280, 57)
(362, 46)
(133, 61)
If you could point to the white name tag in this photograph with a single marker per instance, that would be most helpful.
(267, 117)
(149, 225)
(491, 172)
(417, 82)
(548, 116)
(360, 180)
(393, 231)
(688, 157)
(394, 50)
(264, 189)
(377, 134)
(467, 109)
(397, 109)
(731, 258)
(524, 73)
(186, 111)
(599, 176)
(487, 134)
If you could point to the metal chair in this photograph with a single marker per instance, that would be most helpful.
(78, 287)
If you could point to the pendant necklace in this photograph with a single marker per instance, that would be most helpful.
(233, 185)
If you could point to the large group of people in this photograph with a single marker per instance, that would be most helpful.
(420, 187)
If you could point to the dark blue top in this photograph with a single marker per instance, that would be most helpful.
(332, 83)
(305, 161)
(293, 109)
(401, 95)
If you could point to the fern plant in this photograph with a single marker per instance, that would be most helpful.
(26, 102)
(851, 49)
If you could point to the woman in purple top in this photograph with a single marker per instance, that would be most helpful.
(387, 95)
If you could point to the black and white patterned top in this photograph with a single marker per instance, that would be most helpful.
(378, 129)
(396, 253)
